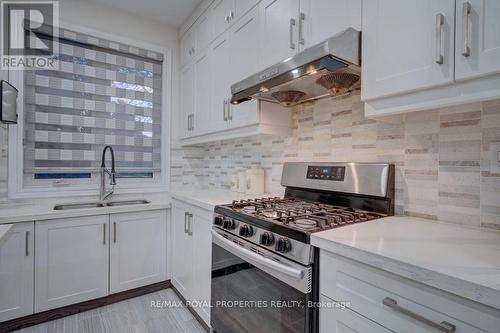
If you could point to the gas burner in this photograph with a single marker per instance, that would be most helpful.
(305, 223)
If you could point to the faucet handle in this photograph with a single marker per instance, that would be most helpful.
(113, 179)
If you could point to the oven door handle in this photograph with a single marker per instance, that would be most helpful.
(255, 258)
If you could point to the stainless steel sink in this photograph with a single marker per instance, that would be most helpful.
(100, 204)
(79, 206)
(127, 203)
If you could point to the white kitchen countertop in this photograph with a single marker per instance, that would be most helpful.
(460, 260)
(24, 211)
(4, 228)
(209, 198)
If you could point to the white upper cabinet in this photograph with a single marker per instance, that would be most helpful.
(477, 38)
(222, 13)
(17, 264)
(221, 81)
(187, 47)
(187, 100)
(203, 32)
(138, 253)
(407, 45)
(72, 261)
(321, 19)
(242, 6)
(246, 48)
(279, 30)
(202, 97)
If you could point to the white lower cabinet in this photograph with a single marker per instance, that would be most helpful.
(72, 261)
(384, 302)
(191, 263)
(138, 254)
(336, 320)
(16, 272)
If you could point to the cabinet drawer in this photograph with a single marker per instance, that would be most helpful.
(366, 288)
(337, 320)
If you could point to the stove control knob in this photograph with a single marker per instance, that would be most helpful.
(283, 245)
(266, 239)
(228, 224)
(219, 221)
(246, 230)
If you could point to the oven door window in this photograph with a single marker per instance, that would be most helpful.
(247, 299)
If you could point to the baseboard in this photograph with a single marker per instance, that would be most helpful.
(193, 312)
(41, 317)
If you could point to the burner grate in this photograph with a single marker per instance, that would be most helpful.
(303, 215)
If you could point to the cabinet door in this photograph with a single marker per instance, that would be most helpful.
(222, 13)
(203, 33)
(321, 19)
(187, 100)
(182, 258)
(187, 47)
(480, 34)
(72, 261)
(242, 6)
(220, 58)
(138, 253)
(16, 272)
(246, 51)
(202, 240)
(337, 320)
(401, 49)
(201, 118)
(279, 23)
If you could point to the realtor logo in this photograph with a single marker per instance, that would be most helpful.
(29, 36)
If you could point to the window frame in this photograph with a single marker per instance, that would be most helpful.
(16, 188)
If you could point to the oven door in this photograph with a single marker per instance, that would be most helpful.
(255, 290)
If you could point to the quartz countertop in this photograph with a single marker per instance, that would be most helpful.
(209, 198)
(32, 210)
(460, 260)
(4, 228)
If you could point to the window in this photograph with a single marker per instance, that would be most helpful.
(105, 93)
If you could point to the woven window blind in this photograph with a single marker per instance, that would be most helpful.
(105, 93)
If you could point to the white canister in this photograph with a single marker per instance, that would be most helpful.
(242, 181)
(255, 181)
(234, 185)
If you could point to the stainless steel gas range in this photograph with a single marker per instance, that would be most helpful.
(264, 270)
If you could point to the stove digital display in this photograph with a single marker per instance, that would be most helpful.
(335, 173)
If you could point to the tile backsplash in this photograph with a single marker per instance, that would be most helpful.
(442, 156)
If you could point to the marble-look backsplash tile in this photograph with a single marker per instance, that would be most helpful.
(442, 156)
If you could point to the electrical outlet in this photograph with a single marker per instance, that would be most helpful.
(495, 157)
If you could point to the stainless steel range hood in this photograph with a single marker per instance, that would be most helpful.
(324, 70)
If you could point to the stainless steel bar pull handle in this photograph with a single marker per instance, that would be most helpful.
(444, 326)
(26, 243)
(302, 17)
(466, 8)
(186, 214)
(292, 24)
(439, 33)
(114, 232)
(190, 224)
